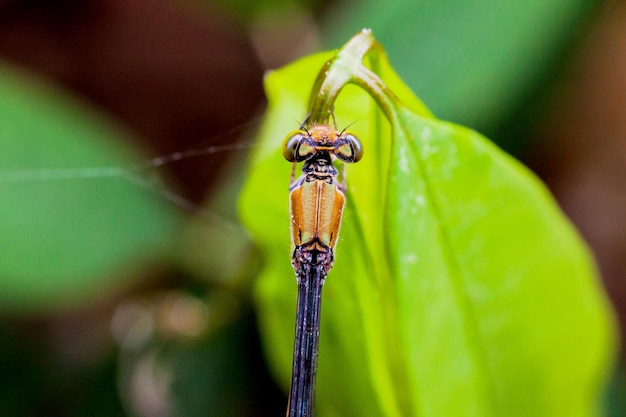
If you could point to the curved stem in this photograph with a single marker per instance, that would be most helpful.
(347, 67)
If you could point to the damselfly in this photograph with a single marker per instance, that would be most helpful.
(316, 207)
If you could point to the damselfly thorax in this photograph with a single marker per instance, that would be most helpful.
(317, 197)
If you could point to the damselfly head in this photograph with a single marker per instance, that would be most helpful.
(300, 145)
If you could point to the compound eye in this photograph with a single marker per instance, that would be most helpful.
(349, 149)
(290, 145)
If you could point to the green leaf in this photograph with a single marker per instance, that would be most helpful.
(459, 288)
(68, 231)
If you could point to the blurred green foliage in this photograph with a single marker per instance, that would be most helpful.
(477, 63)
(69, 233)
(35, 381)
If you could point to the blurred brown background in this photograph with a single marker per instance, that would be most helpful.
(187, 74)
